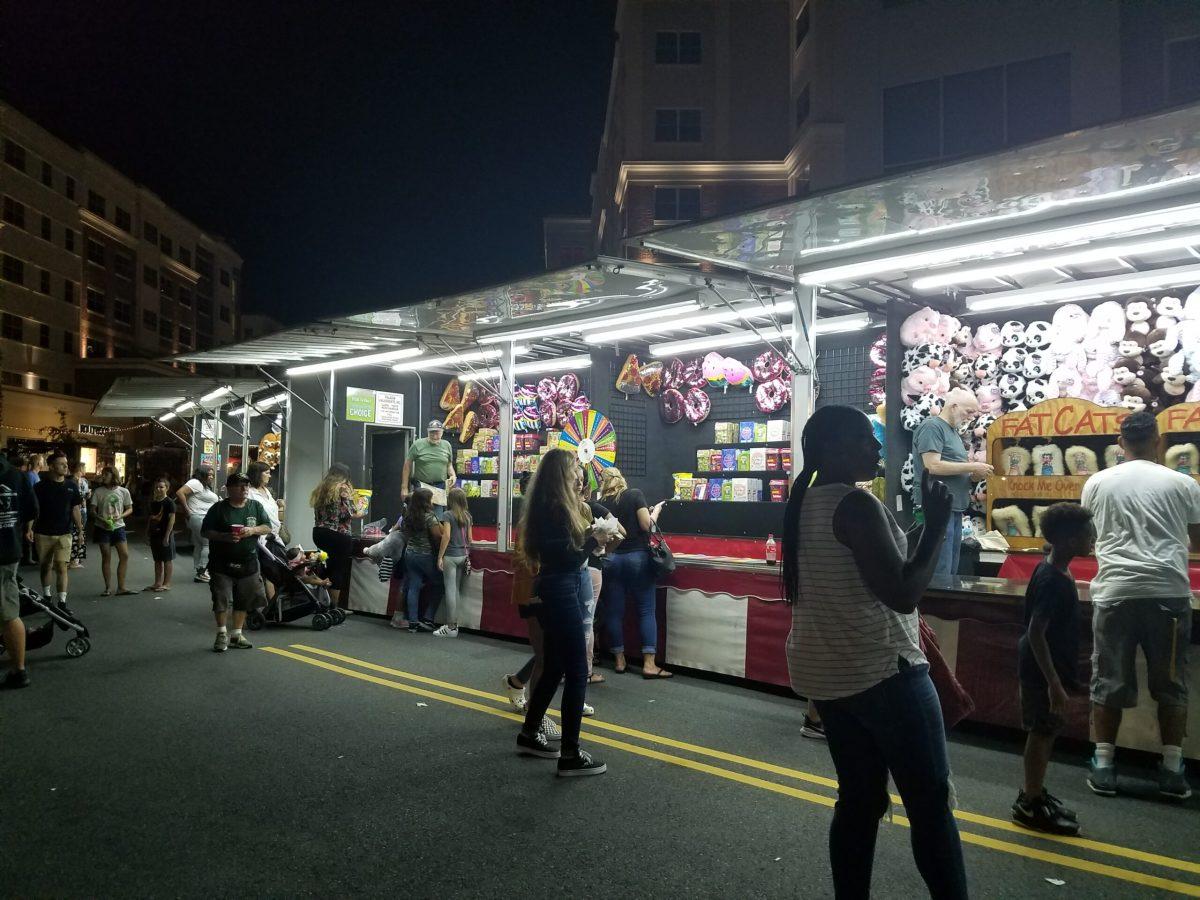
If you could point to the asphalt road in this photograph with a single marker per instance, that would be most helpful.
(367, 761)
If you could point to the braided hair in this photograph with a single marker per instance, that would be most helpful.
(823, 428)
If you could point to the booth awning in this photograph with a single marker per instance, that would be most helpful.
(1128, 191)
(135, 397)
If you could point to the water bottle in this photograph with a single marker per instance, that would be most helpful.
(772, 551)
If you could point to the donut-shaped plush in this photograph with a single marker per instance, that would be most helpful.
(714, 369)
(568, 386)
(670, 406)
(548, 413)
(581, 403)
(628, 381)
(696, 406)
(547, 388)
(767, 366)
(693, 374)
(673, 374)
(652, 378)
(878, 352)
(771, 396)
(565, 411)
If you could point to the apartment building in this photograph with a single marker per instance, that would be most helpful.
(721, 105)
(98, 277)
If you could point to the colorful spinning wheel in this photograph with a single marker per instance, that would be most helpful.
(594, 441)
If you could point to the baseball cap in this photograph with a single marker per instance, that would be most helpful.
(434, 425)
(237, 478)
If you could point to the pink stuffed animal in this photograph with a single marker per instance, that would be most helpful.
(989, 399)
(921, 327)
(1070, 323)
(1065, 382)
(987, 340)
(922, 380)
(946, 328)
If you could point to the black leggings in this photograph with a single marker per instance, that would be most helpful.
(340, 548)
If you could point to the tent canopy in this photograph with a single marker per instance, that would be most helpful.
(135, 397)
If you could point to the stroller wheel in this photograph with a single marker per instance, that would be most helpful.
(256, 620)
(337, 615)
(78, 646)
(321, 621)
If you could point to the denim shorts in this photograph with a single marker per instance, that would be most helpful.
(116, 536)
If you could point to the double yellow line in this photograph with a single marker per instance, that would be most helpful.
(424, 686)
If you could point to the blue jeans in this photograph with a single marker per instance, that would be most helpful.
(564, 654)
(419, 570)
(895, 726)
(629, 574)
(947, 563)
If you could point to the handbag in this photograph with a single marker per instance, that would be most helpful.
(662, 560)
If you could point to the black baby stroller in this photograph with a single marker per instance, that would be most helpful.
(59, 614)
(293, 598)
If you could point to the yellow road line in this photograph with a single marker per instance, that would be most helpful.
(1156, 859)
(1003, 846)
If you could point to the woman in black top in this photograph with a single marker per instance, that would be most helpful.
(629, 574)
(555, 541)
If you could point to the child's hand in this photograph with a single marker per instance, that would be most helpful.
(1058, 700)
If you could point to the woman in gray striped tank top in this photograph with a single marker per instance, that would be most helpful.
(853, 651)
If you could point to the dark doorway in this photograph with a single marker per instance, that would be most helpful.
(386, 451)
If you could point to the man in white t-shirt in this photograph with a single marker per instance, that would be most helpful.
(1146, 518)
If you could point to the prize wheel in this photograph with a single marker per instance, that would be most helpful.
(594, 441)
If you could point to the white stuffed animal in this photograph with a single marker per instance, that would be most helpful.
(1012, 334)
(1013, 360)
(1012, 386)
(1081, 460)
(1047, 460)
(1036, 391)
(1107, 322)
(1015, 461)
(1011, 521)
(1137, 314)
(1038, 335)
(1038, 365)
(1070, 323)
(1183, 458)
(1114, 455)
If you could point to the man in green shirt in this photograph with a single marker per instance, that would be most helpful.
(430, 463)
(232, 527)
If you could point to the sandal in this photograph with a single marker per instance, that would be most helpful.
(126, 593)
(661, 673)
(153, 589)
(106, 593)
(596, 678)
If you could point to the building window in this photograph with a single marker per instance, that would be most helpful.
(165, 244)
(12, 269)
(47, 229)
(677, 126)
(12, 379)
(70, 344)
(96, 301)
(973, 112)
(166, 288)
(912, 123)
(185, 297)
(68, 293)
(149, 319)
(204, 306)
(1183, 70)
(44, 282)
(803, 106)
(150, 276)
(14, 212)
(70, 188)
(123, 220)
(185, 256)
(185, 336)
(1038, 96)
(69, 239)
(97, 203)
(677, 48)
(225, 314)
(95, 252)
(95, 348)
(166, 328)
(44, 385)
(123, 266)
(47, 174)
(224, 278)
(149, 232)
(803, 24)
(14, 155)
(676, 204)
(44, 336)
(123, 312)
(12, 327)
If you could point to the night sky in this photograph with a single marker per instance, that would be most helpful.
(358, 154)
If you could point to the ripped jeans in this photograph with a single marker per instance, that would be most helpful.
(895, 726)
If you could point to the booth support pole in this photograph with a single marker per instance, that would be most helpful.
(197, 442)
(895, 448)
(504, 483)
(245, 436)
(803, 383)
(331, 420)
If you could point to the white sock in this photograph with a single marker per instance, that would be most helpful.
(237, 632)
(1172, 757)
(220, 629)
(62, 596)
(1105, 754)
(46, 592)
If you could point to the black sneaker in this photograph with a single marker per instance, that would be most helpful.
(426, 625)
(16, 678)
(1040, 814)
(1062, 810)
(412, 628)
(812, 729)
(580, 764)
(536, 746)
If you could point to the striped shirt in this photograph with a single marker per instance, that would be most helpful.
(843, 640)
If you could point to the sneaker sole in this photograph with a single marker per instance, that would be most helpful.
(540, 754)
(1171, 796)
(219, 649)
(1066, 831)
(1103, 792)
(812, 735)
(579, 773)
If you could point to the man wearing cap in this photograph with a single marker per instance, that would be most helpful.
(232, 527)
(430, 464)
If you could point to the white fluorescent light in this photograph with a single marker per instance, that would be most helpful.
(610, 319)
(559, 364)
(167, 417)
(219, 392)
(832, 325)
(838, 324)
(780, 308)
(270, 401)
(1077, 256)
(470, 356)
(185, 407)
(335, 365)
(924, 259)
(1089, 289)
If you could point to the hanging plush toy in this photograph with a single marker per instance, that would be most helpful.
(737, 373)
(907, 476)
(713, 368)
(629, 379)
(1015, 461)
(652, 377)
(1038, 512)
(1038, 335)
(1047, 460)
(1114, 455)
(451, 396)
(1183, 458)
(1081, 460)
(920, 327)
(670, 406)
(1011, 521)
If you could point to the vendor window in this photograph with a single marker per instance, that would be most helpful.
(677, 126)
(677, 48)
(676, 204)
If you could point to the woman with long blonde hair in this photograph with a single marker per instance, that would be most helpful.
(555, 539)
(333, 510)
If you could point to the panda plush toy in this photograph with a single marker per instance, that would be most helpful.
(1037, 391)
(1012, 360)
(1012, 334)
(1038, 335)
(1038, 365)
(1012, 386)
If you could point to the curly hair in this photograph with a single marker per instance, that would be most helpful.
(1063, 521)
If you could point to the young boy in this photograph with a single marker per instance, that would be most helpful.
(1046, 658)
(161, 535)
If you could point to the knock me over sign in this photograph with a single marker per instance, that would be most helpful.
(1065, 418)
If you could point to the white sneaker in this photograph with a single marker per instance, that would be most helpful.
(516, 696)
(446, 631)
(588, 710)
(398, 621)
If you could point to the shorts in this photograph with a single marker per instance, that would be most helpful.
(10, 593)
(244, 592)
(1162, 628)
(116, 536)
(53, 546)
(158, 552)
(1035, 711)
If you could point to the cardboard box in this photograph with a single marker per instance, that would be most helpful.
(552, 438)
(471, 488)
(699, 488)
(714, 488)
(739, 490)
(772, 459)
(726, 432)
(743, 461)
(779, 430)
(715, 461)
(760, 432)
(729, 459)
(778, 490)
(703, 460)
(727, 489)
(746, 433)
(785, 459)
(487, 487)
(758, 459)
